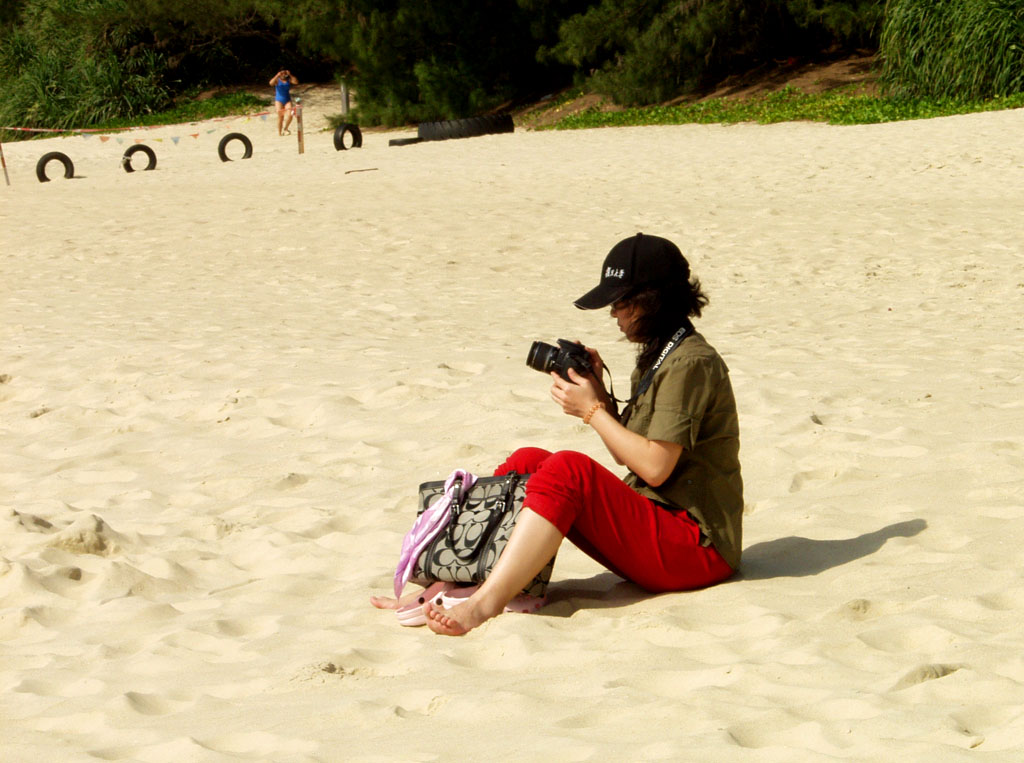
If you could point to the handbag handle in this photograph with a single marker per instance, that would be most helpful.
(493, 521)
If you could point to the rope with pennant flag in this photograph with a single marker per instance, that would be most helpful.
(91, 132)
(121, 139)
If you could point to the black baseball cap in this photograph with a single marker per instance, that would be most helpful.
(634, 262)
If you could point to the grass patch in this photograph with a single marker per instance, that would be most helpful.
(841, 106)
(226, 105)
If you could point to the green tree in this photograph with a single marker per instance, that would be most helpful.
(415, 60)
(847, 23)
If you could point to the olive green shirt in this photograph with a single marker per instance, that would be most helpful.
(690, 403)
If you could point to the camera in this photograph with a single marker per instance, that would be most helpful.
(546, 358)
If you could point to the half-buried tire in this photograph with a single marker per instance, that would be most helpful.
(54, 156)
(222, 146)
(466, 128)
(126, 160)
(347, 129)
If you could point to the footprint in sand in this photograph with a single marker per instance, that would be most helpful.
(397, 447)
(468, 452)
(248, 628)
(808, 478)
(857, 609)
(470, 369)
(85, 687)
(181, 748)
(151, 704)
(30, 522)
(801, 479)
(898, 640)
(1001, 601)
(293, 480)
(259, 744)
(924, 673)
(103, 477)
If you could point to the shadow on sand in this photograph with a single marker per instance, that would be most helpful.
(796, 557)
(791, 557)
(604, 591)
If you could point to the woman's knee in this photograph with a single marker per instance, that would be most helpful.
(561, 488)
(567, 473)
(524, 461)
(569, 462)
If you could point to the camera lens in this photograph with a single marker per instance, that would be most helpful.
(542, 357)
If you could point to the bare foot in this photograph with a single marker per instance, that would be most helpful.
(457, 621)
(386, 602)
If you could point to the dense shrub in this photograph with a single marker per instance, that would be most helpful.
(74, 63)
(959, 49)
(54, 77)
(644, 52)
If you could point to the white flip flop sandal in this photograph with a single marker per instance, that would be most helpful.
(523, 604)
(411, 614)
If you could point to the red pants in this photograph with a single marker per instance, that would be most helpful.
(629, 534)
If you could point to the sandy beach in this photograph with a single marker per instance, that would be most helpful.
(221, 384)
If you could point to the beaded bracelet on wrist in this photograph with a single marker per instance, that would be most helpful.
(591, 412)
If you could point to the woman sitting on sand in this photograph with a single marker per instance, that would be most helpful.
(674, 523)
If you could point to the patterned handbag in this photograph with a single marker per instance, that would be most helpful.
(473, 531)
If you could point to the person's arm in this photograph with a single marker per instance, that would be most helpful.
(597, 363)
(651, 460)
(273, 80)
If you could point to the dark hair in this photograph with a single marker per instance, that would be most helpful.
(663, 309)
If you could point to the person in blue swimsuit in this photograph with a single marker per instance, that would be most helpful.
(282, 83)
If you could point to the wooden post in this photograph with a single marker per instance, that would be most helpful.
(344, 98)
(298, 124)
(4, 163)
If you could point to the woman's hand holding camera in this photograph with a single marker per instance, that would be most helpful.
(596, 363)
(576, 396)
(579, 396)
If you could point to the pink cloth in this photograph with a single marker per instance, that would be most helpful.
(429, 524)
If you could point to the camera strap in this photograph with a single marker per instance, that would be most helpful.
(677, 339)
